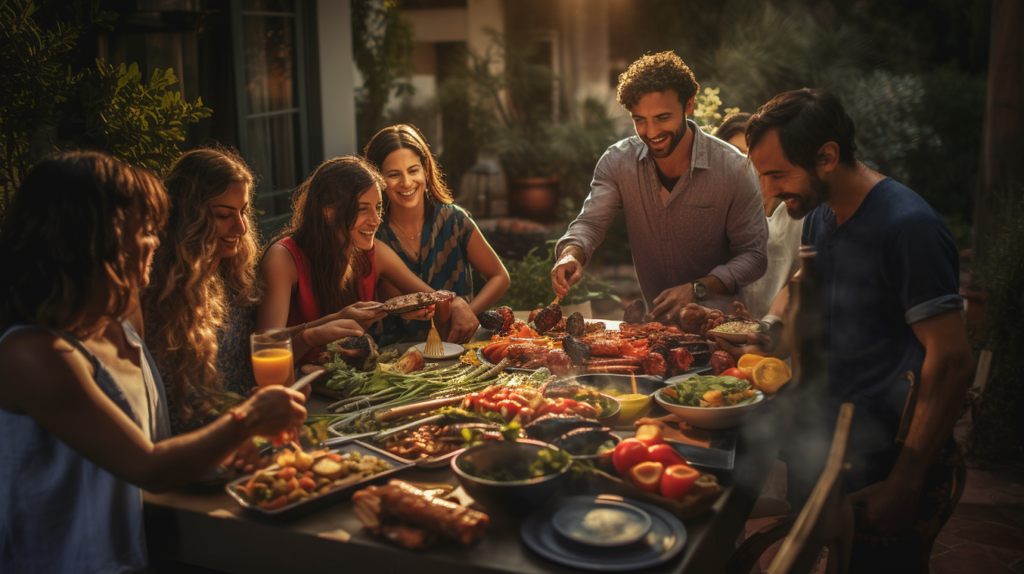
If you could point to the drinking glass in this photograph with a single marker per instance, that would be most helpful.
(272, 360)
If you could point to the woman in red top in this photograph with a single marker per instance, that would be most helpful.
(327, 259)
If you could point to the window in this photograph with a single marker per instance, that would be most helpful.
(271, 100)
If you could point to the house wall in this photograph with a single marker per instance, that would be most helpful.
(337, 78)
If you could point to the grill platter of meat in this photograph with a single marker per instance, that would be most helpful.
(650, 348)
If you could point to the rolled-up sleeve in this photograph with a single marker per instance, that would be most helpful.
(747, 230)
(925, 267)
(599, 210)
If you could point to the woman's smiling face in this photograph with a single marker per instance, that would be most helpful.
(405, 177)
(230, 210)
(367, 218)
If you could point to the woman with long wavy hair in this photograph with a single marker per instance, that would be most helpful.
(198, 308)
(436, 239)
(327, 258)
(81, 402)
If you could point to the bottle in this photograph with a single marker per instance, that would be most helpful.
(806, 315)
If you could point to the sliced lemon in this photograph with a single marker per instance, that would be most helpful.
(770, 374)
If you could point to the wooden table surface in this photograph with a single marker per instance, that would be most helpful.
(206, 527)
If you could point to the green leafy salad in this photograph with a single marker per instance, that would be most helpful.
(711, 391)
(548, 461)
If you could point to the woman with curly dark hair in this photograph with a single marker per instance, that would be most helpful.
(198, 307)
(81, 402)
(436, 239)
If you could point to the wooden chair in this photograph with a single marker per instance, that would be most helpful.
(826, 521)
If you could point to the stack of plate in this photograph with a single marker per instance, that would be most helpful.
(605, 533)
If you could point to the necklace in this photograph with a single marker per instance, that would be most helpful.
(414, 254)
(407, 235)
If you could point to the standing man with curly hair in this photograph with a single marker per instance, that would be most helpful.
(693, 208)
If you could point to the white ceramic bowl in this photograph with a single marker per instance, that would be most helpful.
(709, 417)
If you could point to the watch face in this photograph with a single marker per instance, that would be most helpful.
(700, 290)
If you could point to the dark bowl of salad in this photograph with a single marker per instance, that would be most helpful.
(515, 477)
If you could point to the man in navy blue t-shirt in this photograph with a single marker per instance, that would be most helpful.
(887, 267)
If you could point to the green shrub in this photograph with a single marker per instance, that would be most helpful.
(998, 433)
(47, 105)
(531, 283)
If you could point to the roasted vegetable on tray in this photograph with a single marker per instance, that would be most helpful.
(299, 475)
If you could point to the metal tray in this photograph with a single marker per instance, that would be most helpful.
(338, 494)
(427, 462)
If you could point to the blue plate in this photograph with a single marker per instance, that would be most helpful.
(664, 541)
(601, 522)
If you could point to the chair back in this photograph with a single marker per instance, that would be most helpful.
(826, 519)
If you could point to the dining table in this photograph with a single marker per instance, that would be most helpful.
(201, 525)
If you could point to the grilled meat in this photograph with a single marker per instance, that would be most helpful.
(635, 312)
(679, 361)
(491, 320)
(547, 317)
(575, 325)
(577, 350)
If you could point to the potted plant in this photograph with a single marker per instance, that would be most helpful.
(531, 286)
(511, 114)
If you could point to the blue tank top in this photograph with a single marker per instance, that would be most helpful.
(60, 512)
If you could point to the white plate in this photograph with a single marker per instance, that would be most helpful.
(451, 350)
(601, 522)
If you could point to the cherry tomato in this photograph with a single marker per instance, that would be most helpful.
(629, 453)
(665, 454)
(677, 481)
(735, 372)
(647, 475)
(508, 409)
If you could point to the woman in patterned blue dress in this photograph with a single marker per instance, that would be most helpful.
(435, 238)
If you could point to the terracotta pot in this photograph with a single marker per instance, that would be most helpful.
(534, 198)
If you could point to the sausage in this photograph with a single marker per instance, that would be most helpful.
(614, 369)
(621, 362)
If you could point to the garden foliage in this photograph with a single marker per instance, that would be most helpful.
(998, 431)
(48, 103)
(531, 283)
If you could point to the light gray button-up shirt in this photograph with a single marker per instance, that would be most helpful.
(712, 224)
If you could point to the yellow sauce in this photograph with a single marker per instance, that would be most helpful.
(632, 397)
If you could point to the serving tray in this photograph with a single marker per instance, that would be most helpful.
(338, 494)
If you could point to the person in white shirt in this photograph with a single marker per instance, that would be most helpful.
(783, 232)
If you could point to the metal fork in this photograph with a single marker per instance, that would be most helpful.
(434, 347)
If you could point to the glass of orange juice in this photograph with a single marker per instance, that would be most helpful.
(272, 360)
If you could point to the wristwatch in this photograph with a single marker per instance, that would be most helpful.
(700, 290)
(771, 328)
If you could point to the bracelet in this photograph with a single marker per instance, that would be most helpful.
(305, 335)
